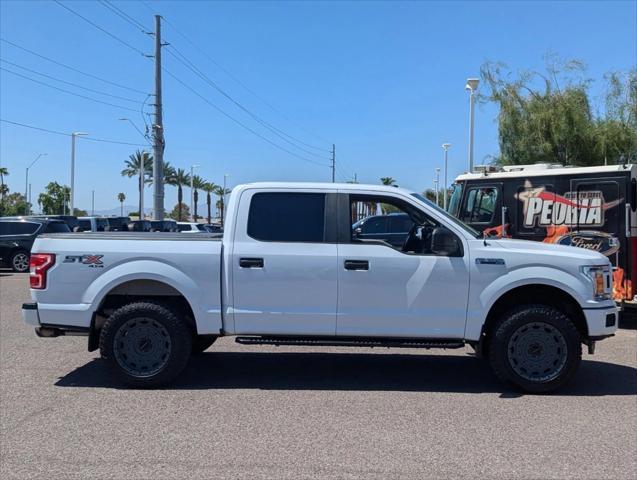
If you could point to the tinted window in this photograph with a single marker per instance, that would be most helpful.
(101, 224)
(56, 227)
(85, 225)
(18, 228)
(400, 224)
(287, 217)
(375, 225)
(183, 228)
(201, 228)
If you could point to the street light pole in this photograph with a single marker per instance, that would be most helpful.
(445, 146)
(92, 203)
(72, 197)
(472, 86)
(436, 184)
(27, 208)
(192, 191)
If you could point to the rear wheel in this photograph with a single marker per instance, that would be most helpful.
(145, 344)
(535, 347)
(20, 261)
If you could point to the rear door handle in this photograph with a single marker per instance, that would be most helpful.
(356, 265)
(251, 262)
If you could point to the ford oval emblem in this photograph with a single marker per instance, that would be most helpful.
(601, 242)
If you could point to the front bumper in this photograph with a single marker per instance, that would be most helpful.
(602, 322)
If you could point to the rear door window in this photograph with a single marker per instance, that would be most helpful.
(56, 227)
(287, 217)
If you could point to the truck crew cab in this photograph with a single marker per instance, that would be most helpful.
(594, 208)
(292, 270)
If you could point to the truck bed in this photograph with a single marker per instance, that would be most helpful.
(93, 265)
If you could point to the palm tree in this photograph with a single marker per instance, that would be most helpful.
(209, 187)
(388, 181)
(133, 167)
(3, 171)
(221, 193)
(121, 197)
(198, 183)
(179, 179)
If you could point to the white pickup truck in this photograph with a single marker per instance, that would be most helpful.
(292, 270)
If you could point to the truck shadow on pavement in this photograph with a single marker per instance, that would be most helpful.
(358, 371)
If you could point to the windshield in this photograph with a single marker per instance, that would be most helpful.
(452, 219)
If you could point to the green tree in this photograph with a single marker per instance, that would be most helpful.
(133, 167)
(55, 199)
(78, 212)
(198, 183)
(180, 212)
(547, 117)
(121, 196)
(4, 171)
(13, 204)
(388, 181)
(221, 193)
(210, 188)
(179, 178)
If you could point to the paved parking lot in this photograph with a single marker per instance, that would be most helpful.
(267, 412)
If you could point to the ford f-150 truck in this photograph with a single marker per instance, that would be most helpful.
(291, 270)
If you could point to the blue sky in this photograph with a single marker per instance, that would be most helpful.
(384, 81)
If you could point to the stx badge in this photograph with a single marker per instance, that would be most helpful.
(93, 261)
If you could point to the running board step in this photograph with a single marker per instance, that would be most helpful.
(351, 342)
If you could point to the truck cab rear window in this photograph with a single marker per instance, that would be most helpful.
(18, 228)
(287, 217)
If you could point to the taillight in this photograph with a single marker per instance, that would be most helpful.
(39, 263)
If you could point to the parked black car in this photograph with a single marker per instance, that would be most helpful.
(139, 226)
(392, 228)
(163, 226)
(212, 228)
(70, 220)
(117, 224)
(17, 236)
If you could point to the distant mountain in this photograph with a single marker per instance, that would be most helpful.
(116, 211)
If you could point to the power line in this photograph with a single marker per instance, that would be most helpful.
(113, 36)
(236, 79)
(72, 68)
(92, 139)
(69, 83)
(238, 122)
(67, 91)
(279, 133)
(123, 15)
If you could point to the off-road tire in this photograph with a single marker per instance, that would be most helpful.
(201, 343)
(555, 332)
(18, 263)
(149, 332)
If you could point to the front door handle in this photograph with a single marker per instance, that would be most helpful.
(356, 265)
(251, 262)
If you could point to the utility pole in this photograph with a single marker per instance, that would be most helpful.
(158, 132)
(472, 86)
(333, 163)
(92, 203)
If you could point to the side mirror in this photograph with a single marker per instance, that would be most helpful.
(445, 243)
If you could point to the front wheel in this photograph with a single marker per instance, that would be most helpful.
(145, 344)
(535, 347)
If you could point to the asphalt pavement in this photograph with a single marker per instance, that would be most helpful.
(299, 412)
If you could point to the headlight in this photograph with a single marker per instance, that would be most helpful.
(601, 278)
